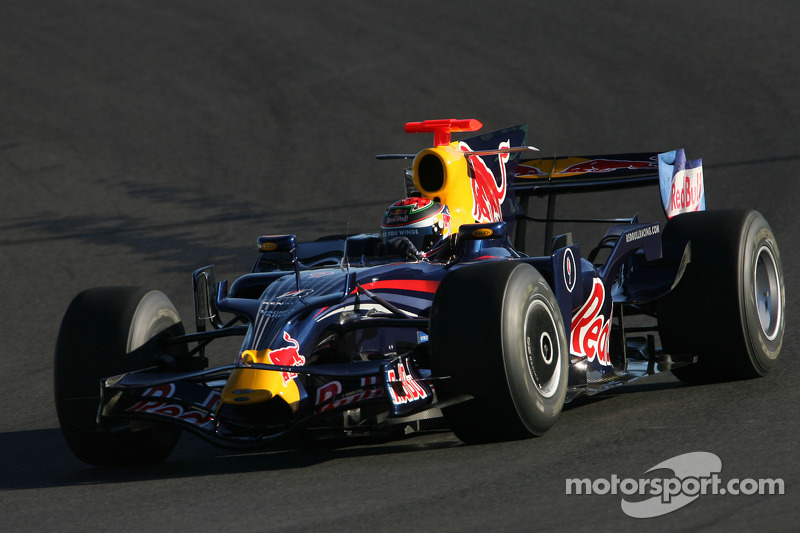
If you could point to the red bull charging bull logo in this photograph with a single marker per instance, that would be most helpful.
(487, 194)
(252, 385)
(288, 356)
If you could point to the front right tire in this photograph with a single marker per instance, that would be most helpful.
(497, 335)
(108, 331)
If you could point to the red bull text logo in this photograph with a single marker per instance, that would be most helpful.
(326, 394)
(198, 417)
(686, 193)
(590, 329)
(403, 388)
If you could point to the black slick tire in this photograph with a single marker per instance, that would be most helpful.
(728, 309)
(103, 333)
(497, 333)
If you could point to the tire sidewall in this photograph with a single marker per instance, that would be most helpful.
(763, 351)
(154, 314)
(526, 292)
(713, 312)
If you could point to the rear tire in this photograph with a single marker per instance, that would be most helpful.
(497, 331)
(728, 308)
(104, 333)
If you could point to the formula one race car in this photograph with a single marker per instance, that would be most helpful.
(441, 317)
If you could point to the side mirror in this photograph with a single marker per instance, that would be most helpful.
(205, 299)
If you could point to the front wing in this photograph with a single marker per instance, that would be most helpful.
(394, 387)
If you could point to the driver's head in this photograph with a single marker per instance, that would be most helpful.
(422, 221)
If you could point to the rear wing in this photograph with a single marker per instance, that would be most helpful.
(680, 181)
(558, 175)
(561, 175)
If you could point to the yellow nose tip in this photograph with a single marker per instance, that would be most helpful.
(252, 385)
(250, 357)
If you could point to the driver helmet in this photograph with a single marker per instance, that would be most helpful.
(424, 222)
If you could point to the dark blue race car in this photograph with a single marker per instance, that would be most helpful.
(441, 318)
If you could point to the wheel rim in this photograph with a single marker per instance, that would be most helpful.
(767, 293)
(542, 348)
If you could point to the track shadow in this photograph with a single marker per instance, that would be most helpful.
(631, 388)
(41, 459)
(175, 246)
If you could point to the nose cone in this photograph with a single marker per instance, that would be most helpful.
(254, 385)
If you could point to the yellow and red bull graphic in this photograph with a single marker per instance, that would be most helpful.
(254, 385)
(441, 174)
(471, 177)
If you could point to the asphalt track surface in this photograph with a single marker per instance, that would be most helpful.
(140, 140)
